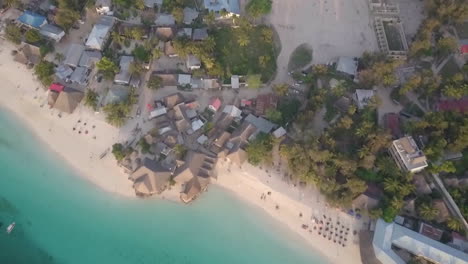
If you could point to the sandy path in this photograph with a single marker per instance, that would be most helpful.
(81, 151)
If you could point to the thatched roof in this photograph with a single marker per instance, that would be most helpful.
(196, 165)
(52, 97)
(68, 100)
(150, 178)
(191, 191)
(237, 156)
(174, 99)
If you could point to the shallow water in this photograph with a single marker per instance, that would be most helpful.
(62, 218)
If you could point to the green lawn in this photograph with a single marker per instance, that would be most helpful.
(244, 60)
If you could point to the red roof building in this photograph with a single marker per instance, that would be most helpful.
(460, 105)
(56, 87)
(464, 49)
(265, 102)
(392, 123)
(215, 104)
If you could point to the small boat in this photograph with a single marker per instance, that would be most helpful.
(10, 227)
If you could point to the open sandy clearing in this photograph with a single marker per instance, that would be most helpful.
(331, 27)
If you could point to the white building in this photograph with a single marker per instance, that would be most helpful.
(103, 7)
(123, 77)
(347, 65)
(232, 7)
(388, 235)
(99, 34)
(362, 97)
(407, 155)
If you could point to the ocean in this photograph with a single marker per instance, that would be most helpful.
(62, 218)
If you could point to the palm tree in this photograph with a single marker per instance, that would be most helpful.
(454, 224)
(117, 38)
(396, 203)
(427, 212)
(391, 185)
(243, 40)
(91, 99)
(406, 189)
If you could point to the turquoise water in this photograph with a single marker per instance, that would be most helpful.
(64, 219)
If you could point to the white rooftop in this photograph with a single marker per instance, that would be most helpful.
(232, 110)
(347, 65)
(99, 33)
(363, 97)
(184, 79)
(410, 153)
(388, 234)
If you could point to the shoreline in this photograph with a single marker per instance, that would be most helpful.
(250, 183)
(21, 98)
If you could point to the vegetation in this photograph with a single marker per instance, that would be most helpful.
(259, 150)
(257, 8)
(68, 12)
(460, 195)
(120, 152)
(13, 33)
(141, 54)
(300, 57)
(107, 67)
(154, 82)
(445, 131)
(246, 50)
(377, 70)
(45, 71)
(32, 36)
(281, 89)
(117, 113)
(145, 147)
(254, 81)
(91, 99)
(180, 151)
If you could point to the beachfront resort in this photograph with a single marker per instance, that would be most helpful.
(360, 146)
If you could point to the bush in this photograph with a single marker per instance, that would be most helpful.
(13, 33)
(44, 71)
(257, 8)
(300, 57)
(119, 151)
(154, 82)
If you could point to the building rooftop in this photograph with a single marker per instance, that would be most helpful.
(388, 234)
(410, 153)
(200, 34)
(165, 20)
(363, 97)
(123, 77)
(190, 15)
(260, 123)
(73, 55)
(32, 19)
(347, 65)
(231, 6)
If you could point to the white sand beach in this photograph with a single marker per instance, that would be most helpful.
(22, 94)
(251, 184)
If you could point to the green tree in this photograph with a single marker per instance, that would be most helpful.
(243, 39)
(274, 115)
(257, 8)
(154, 82)
(254, 81)
(455, 90)
(91, 99)
(210, 18)
(66, 18)
(107, 67)
(427, 212)
(180, 151)
(32, 36)
(59, 57)
(145, 147)
(140, 4)
(446, 46)
(454, 224)
(44, 71)
(141, 54)
(260, 148)
(281, 89)
(13, 33)
(391, 185)
(119, 151)
(413, 83)
(178, 14)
